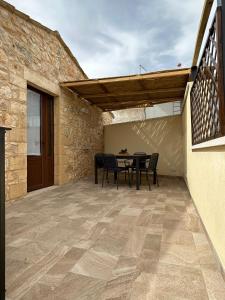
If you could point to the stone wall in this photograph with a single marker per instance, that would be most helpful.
(33, 54)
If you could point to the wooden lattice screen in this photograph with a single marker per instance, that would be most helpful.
(207, 94)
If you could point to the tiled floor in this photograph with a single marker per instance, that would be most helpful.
(82, 242)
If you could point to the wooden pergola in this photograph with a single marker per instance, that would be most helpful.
(115, 93)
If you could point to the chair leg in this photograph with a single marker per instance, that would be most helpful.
(148, 179)
(157, 180)
(140, 177)
(117, 181)
(129, 178)
(107, 175)
(125, 175)
(103, 177)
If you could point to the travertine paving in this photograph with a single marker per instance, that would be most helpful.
(82, 242)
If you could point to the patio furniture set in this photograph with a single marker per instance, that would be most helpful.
(139, 163)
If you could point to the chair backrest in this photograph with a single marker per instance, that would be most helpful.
(142, 161)
(110, 161)
(153, 161)
(99, 158)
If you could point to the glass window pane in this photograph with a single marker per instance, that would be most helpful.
(33, 123)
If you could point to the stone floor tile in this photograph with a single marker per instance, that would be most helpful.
(215, 284)
(39, 291)
(179, 255)
(79, 287)
(81, 241)
(95, 264)
(135, 242)
(129, 211)
(143, 287)
(180, 237)
(186, 286)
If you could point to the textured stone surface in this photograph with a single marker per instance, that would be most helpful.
(30, 52)
(81, 241)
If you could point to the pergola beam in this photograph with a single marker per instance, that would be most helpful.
(117, 104)
(153, 101)
(127, 107)
(146, 76)
(135, 93)
(132, 91)
(134, 104)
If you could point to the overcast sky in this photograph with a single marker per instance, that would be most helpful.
(113, 37)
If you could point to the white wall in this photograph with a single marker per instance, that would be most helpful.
(162, 135)
(138, 114)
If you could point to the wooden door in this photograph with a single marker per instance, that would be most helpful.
(40, 140)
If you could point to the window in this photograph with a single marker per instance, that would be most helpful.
(33, 123)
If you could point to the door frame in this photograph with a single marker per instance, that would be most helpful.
(45, 101)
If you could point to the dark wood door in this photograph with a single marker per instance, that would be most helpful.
(40, 140)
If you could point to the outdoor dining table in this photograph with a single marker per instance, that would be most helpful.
(137, 159)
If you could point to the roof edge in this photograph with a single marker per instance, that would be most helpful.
(186, 71)
(26, 17)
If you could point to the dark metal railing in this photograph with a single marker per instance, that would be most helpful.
(2, 212)
(207, 94)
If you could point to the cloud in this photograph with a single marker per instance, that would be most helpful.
(112, 38)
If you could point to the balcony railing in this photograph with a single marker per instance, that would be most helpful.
(207, 94)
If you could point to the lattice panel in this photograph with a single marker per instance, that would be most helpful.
(205, 94)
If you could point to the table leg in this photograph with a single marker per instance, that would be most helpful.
(115, 177)
(96, 172)
(137, 174)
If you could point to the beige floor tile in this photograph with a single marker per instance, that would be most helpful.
(129, 211)
(79, 287)
(215, 284)
(179, 255)
(135, 242)
(143, 287)
(39, 291)
(180, 237)
(67, 261)
(119, 245)
(187, 286)
(95, 264)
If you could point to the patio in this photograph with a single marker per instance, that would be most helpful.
(80, 241)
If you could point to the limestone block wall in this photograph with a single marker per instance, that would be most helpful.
(33, 54)
(81, 137)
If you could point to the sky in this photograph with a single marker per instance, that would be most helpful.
(115, 37)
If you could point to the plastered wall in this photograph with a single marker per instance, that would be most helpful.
(204, 173)
(162, 135)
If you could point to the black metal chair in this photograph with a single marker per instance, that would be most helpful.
(111, 166)
(150, 169)
(142, 163)
(99, 158)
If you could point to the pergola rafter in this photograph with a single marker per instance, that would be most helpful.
(124, 92)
